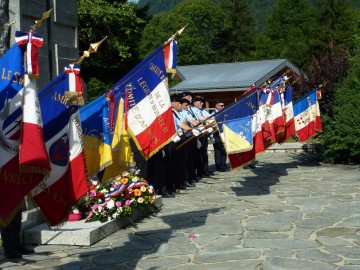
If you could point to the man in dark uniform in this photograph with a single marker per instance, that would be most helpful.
(219, 149)
(10, 236)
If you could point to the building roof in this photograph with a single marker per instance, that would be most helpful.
(237, 76)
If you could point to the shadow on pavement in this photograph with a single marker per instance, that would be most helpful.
(268, 173)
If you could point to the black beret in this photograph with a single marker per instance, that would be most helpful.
(219, 102)
(175, 98)
(186, 94)
(184, 100)
(199, 98)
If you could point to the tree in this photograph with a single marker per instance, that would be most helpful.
(327, 70)
(238, 42)
(157, 6)
(122, 22)
(341, 138)
(289, 32)
(198, 43)
(337, 22)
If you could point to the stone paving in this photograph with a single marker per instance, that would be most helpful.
(291, 212)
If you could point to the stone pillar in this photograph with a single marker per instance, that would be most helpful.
(59, 32)
(4, 32)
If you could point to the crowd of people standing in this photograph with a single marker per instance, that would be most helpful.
(184, 161)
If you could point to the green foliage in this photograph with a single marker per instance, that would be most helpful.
(327, 70)
(206, 21)
(289, 32)
(122, 22)
(337, 22)
(96, 88)
(341, 136)
(157, 6)
(237, 43)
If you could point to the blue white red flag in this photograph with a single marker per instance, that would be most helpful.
(68, 181)
(288, 112)
(170, 54)
(32, 41)
(14, 182)
(149, 118)
(307, 116)
(238, 135)
(271, 107)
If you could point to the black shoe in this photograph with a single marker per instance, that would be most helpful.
(189, 184)
(182, 186)
(167, 195)
(24, 250)
(210, 173)
(206, 174)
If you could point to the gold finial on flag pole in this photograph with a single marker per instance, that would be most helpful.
(7, 24)
(177, 33)
(92, 49)
(76, 98)
(38, 23)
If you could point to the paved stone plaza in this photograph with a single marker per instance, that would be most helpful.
(291, 212)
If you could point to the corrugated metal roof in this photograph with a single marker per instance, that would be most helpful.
(228, 76)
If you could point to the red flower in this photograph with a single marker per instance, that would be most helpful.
(128, 195)
(100, 195)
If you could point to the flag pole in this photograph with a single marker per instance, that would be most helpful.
(8, 24)
(93, 48)
(38, 23)
(177, 33)
(76, 98)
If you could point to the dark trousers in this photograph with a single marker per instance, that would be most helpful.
(191, 158)
(10, 235)
(201, 157)
(180, 164)
(156, 172)
(219, 153)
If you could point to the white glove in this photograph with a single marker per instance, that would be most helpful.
(176, 139)
(195, 132)
(210, 121)
(201, 129)
(212, 139)
(180, 132)
(210, 130)
(163, 153)
(198, 144)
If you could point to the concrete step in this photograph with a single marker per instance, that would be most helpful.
(79, 233)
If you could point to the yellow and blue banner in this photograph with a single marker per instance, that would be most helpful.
(238, 135)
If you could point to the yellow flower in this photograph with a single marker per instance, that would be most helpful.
(135, 179)
(124, 181)
(140, 200)
(137, 192)
(142, 188)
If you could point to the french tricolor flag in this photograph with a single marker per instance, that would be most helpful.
(150, 121)
(67, 181)
(170, 53)
(307, 116)
(288, 111)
